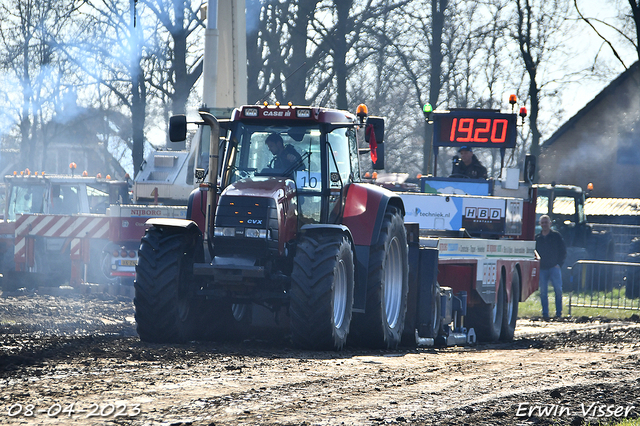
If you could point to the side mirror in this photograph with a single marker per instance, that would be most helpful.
(378, 128)
(178, 128)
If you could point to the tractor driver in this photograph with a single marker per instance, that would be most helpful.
(284, 156)
(468, 165)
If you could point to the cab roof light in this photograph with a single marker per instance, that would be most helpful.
(108, 177)
(85, 173)
(362, 111)
(427, 109)
(523, 112)
(513, 99)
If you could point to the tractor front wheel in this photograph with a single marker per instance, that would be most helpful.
(165, 309)
(322, 286)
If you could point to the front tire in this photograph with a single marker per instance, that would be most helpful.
(381, 325)
(165, 309)
(322, 286)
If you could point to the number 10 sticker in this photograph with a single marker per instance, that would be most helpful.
(308, 180)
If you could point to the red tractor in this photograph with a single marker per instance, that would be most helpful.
(297, 231)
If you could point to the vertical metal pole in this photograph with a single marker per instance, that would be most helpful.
(210, 66)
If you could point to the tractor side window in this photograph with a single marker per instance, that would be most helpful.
(542, 206)
(353, 153)
(98, 198)
(68, 202)
(564, 208)
(28, 199)
(339, 159)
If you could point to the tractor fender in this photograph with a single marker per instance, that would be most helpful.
(167, 222)
(340, 229)
(364, 210)
(196, 207)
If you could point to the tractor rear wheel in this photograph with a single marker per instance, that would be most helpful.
(322, 286)
(510, 316)
(486, 318)
(166, 312)
(382, 323)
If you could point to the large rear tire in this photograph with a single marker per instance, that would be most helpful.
(381, 325)
(510, 316)
(486, 318)
(166, 312)
(322, 285)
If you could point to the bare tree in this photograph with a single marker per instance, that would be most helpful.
(180, 59)
(32, 64)
(538, 30)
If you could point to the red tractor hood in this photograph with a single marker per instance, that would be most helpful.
(262, 186)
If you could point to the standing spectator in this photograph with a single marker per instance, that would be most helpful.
(550, 246)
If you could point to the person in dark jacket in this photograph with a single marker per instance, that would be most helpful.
(550, 246)
(284, 156)
(468, 165)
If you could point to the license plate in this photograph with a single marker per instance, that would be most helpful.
(128, 262)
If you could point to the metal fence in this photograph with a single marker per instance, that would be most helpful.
(599, 284)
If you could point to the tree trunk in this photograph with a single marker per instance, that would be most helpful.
(340, 52)
(437, 27)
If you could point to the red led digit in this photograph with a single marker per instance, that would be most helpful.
(485, 129)
(452, 137)
(494, 130)
(466, 126)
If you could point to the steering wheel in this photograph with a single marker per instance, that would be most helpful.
(459, 175)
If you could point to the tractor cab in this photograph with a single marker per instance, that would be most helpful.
(317, 159)
(61, 194)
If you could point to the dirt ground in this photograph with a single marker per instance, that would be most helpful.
(77, 359)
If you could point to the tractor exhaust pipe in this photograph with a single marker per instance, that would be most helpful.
(212, 183)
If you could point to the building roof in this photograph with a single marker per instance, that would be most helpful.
(569, 124)
(612, 207)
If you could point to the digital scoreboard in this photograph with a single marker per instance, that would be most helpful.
(476, 128)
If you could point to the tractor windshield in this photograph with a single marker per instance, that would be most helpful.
(277, 151)
(25, 199)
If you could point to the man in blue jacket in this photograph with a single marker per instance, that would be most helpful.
(550, 246)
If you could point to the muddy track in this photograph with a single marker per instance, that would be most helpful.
(82, 350)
